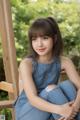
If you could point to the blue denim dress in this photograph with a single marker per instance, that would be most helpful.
(43, 75)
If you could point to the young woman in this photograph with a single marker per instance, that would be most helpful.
(41, 96)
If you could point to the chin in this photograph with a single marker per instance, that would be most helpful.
(42, 54)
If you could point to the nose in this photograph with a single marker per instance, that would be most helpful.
(39, 42)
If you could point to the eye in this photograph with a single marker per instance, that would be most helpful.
(33, 38)
(45, 37)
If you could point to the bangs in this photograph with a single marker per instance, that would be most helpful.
(46, 27)
(41, 29)
(38, 32)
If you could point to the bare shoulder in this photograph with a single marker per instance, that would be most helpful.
(66, 62)
(70, 69)
(26, 63)
(65, 59)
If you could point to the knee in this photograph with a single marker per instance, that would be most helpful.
(69, 89)
(50, 87)
(67, 84)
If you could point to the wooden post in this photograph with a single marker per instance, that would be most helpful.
(8, 45)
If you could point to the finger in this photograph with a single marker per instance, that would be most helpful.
(77, 110)
(71, 103)
(71, 119)
(62, 118)
(74, 113)
(72, 116)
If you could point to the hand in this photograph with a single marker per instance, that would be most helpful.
(75, 107)
(62, 118)
(66, 111)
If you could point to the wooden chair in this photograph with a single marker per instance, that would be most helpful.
(9, 56)
(5, 86)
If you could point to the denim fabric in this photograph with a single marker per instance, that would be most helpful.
(43, 75)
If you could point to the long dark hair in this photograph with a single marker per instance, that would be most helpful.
(46, 27)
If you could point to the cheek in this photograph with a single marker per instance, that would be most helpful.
(33, 45)
(50, 44)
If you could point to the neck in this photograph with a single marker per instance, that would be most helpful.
(45, 59)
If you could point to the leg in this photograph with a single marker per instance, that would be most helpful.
(68, 89)
(70, 92)
(25, 111)
(56, 96)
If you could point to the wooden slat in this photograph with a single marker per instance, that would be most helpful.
(6, 86)
(6, 103)
(9, 52)
(8, 45)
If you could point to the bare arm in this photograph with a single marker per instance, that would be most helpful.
(31, 91)
(25, 70)
(70, 69)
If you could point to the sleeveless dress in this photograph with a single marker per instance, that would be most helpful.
(44, 75)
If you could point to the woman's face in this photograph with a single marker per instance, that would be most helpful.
(42, 45)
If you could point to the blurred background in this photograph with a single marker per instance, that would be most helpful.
(66, 13)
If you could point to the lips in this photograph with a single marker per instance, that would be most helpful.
(41, 49)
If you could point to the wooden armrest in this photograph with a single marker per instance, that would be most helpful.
(6, 103)
(6, 86)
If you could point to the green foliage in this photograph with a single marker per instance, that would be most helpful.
(7, 113)
(66, 14)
